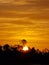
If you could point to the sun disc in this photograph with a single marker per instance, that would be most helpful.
(25, 48)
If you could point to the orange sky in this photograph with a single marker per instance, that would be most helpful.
(25, 19)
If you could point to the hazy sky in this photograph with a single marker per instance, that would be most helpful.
(25, 19)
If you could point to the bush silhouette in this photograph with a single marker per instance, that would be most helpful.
(12, 56)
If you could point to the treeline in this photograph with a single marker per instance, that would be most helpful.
(12, 56)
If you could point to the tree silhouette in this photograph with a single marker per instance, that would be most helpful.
(23, 41)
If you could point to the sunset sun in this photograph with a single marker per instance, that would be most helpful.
(25, 48)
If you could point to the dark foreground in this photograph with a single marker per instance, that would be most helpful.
(12, 56)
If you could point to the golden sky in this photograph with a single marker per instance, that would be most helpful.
(25, 19)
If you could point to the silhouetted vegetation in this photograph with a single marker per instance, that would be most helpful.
(12, 56)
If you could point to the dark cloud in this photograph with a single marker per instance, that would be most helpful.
(39, 3)
(30, 3)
